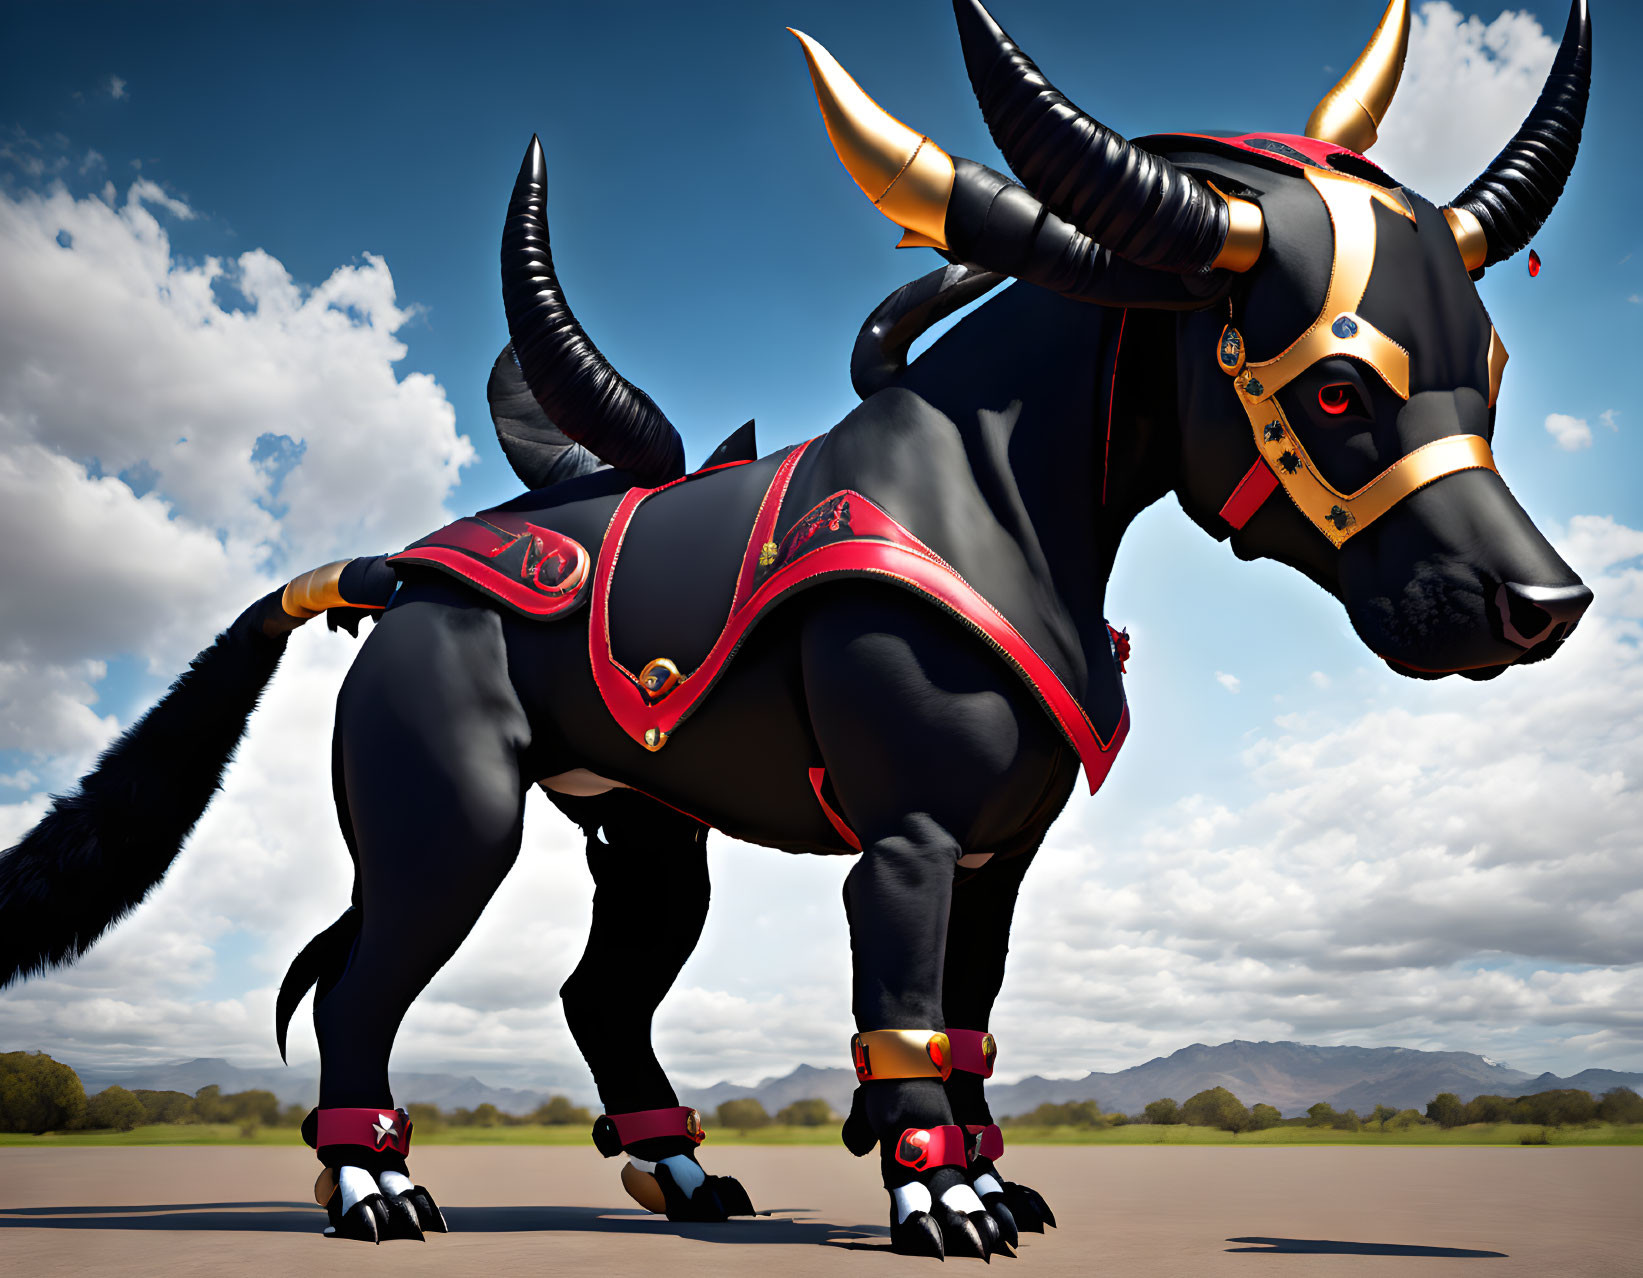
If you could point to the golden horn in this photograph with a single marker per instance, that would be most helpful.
(1351, 112)
(908, 177)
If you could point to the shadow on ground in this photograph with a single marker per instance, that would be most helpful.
(1325, 1247)
(305, 1218)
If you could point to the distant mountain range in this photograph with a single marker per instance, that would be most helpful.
(1291, 1076)
(294, 1086)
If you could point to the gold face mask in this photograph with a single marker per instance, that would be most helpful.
(1340, 332)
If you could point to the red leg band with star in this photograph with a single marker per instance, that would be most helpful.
(378, 1129)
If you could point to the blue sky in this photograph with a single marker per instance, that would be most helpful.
(717, 252)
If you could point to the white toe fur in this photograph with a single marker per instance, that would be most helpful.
(988, 1184)
(963, 1199)
(356, 1183)
(394, 1183)
(910, 1198)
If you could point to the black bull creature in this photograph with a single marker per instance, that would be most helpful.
(1217, 317)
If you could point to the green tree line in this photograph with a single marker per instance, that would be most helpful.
(1219, 1108)
(39, 1094)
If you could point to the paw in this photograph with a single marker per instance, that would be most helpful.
(951, 1222)
(1025, 1207)
(415, 1199)
(359, 1209)
(679, 1189)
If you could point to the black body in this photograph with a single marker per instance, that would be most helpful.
(1019, 448)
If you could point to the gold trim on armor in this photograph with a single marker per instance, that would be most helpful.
(1469, 236)
(889, 1053)
(1339, 329)
(1497, 364)
(1350, 114)
(312, 593)
(1341, 516)
(906, 175)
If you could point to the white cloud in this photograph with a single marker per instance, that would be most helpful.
(1570, 433)
(1230, 682)
(1319, 679)
(120, 358)
(116, 87)
(1466, 87)
(1611, 418)
(1636, 299)
(115, 351)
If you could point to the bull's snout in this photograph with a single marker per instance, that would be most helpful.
(1533, 615)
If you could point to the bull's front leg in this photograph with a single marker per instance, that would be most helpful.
(978, 937)
(935, 750)
(897, 898)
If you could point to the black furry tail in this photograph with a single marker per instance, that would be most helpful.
(99, 851)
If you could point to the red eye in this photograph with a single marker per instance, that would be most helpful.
(1336, 398)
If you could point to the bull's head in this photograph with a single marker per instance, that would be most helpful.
(1332, 342)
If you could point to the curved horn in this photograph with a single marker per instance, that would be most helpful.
(974, 215)
(1350, 114)
(1137, 204)
(577, 388)
(908, 177)
(1501, 210)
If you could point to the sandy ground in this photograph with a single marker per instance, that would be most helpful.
(1264, 1213)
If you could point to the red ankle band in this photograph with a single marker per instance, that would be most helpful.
(648, 1124)
(974, 1051)
(378, 1129)
(922, 1148)
(985, 1142)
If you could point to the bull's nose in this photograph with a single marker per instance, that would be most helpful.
(1530, 615)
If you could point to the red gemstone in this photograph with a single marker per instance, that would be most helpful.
(1534, 262)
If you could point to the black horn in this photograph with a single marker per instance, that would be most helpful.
(576, 386)
(1137, 204)
(1515, 195)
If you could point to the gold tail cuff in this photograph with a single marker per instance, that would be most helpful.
(888, 1053)
(908, 177)
(312, 593)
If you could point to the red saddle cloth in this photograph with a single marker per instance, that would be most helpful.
(545, 574)
(531, 569)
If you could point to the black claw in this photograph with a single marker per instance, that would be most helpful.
(959, 1235)
(365, 1221)
(400, 1220)
(918, 1235)
(991, 1237)
(427, 1210)
(1003, 1218)
(732, 1197)
(717, 1198)
(1028, 1207)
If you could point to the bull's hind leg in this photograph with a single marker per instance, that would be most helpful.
(429, 734)
(978, 940)
(649, 866)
